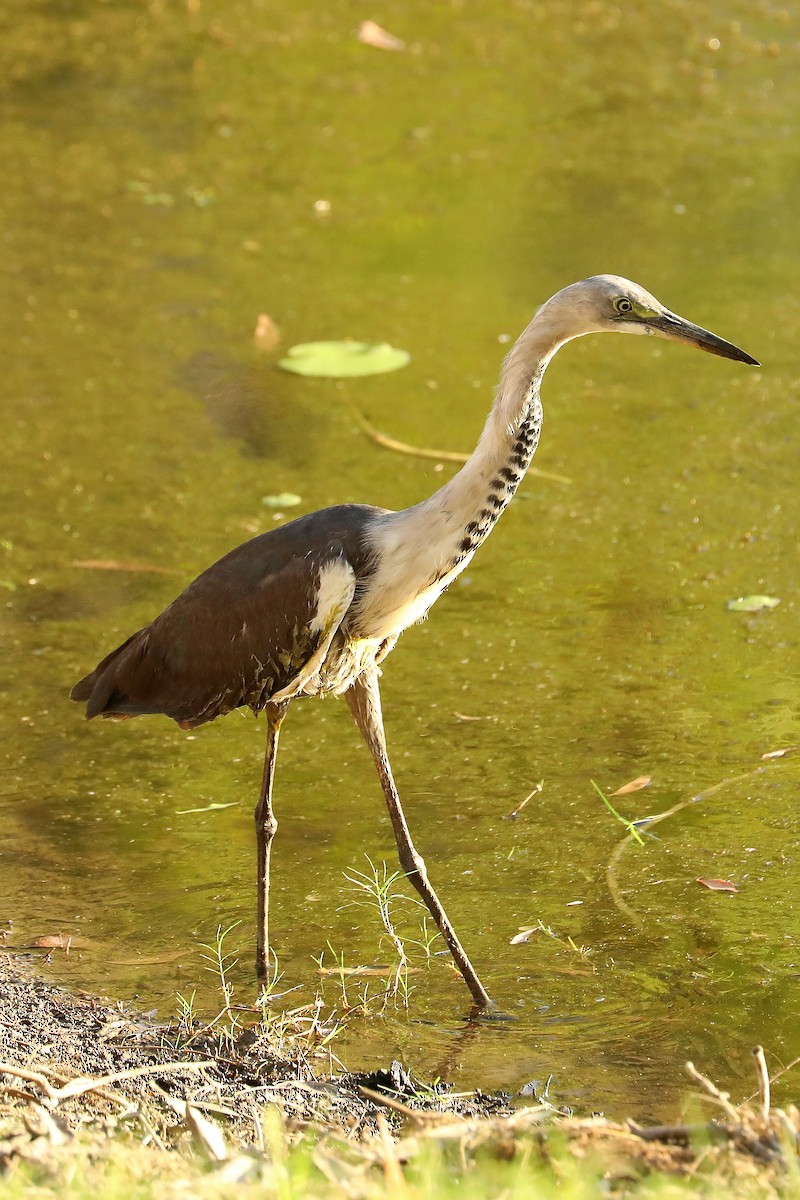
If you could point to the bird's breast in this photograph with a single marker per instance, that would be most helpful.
(385, 612)
(346, 659)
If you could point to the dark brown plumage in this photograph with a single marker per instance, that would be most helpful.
(238, 633)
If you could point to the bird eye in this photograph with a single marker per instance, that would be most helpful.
(623, 305)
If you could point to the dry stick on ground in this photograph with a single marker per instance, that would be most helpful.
(390, 443)
(722, 1098)
(30, 1077)
(418, 1116)
(772, 1078)
(80, 1085)
(763, 1080)
(645, 823)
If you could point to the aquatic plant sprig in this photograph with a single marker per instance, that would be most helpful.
(629, 825)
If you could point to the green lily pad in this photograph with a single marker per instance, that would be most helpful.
(338, 360)
(282, 500)
(753, 603)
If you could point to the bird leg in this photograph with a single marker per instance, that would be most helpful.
(265, 832)
(364, 699)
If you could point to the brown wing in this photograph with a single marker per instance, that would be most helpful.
(241, 632)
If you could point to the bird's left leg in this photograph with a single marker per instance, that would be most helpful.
(265, 832)
(365, 704)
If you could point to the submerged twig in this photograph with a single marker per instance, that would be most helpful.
(645, 823)
(390, 443)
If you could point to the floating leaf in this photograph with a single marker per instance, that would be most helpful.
(282, 500)
(753, 603)
(372, 34)
(57, 941)
(718, 885)
(635, 785)
(266, 334)
(338, 360)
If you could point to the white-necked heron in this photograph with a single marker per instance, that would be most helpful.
(314, 607)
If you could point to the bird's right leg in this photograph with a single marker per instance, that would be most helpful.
(365, 705)
(265, 832)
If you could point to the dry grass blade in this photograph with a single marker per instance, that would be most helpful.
(57, 1132)
(116, 564)
(209, 1135)
(82, 1084)
(392, 1170)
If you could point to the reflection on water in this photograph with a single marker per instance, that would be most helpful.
(167, 168)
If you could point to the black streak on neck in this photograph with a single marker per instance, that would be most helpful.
(506, 481)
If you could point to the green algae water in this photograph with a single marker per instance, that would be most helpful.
(175, 170)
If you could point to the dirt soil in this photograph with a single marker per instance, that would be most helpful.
(75, 1062)
(134, 1062)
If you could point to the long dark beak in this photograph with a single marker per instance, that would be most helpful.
(669, 325)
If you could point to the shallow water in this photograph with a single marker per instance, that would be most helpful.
(166, 168)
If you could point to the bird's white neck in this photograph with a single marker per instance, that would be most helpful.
(468, 505)
(422, 549)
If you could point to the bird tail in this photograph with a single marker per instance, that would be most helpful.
(99, 688)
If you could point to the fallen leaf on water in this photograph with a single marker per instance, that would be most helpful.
(266, 334)
(718, 885)
(282, 500)
(372, 35)
(524, 935)
(752, 603)
(57, 941)
(635, 785)
(339, 360)
(116, 564)
(780, 753)
(182, 812)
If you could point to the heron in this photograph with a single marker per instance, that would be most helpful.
(314, 607)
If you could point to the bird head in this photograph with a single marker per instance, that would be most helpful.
(609, 303)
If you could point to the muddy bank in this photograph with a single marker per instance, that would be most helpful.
(76, 1067)
(134, 1063)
